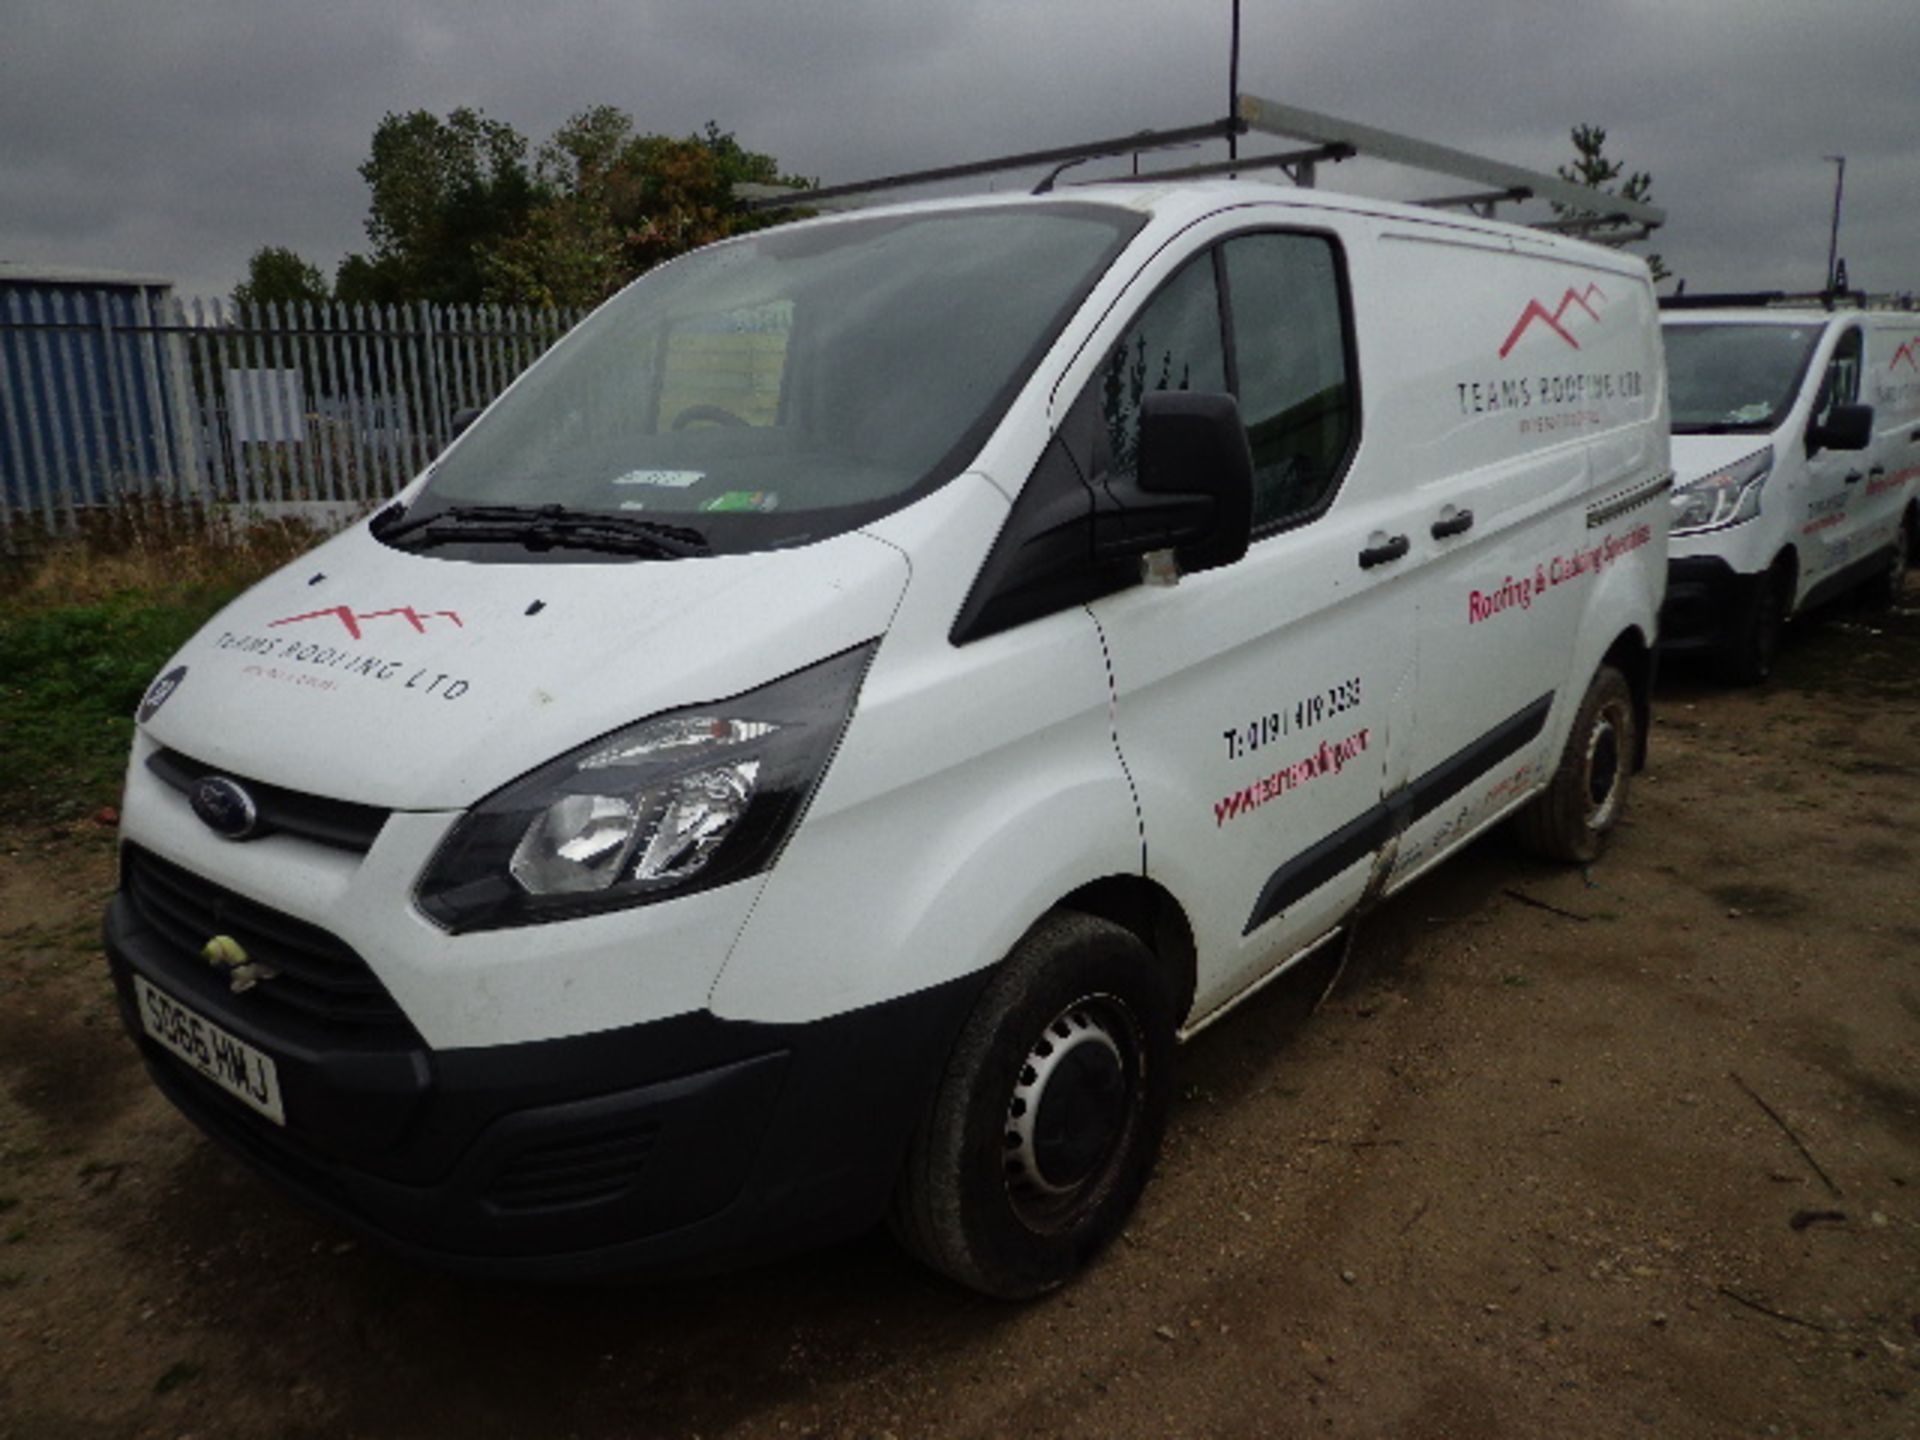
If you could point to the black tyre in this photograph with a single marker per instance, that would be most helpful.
(1572, 817)
(1048, 1119)
(1748, 656)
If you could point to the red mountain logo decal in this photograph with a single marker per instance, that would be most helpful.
(351, 618)
(1535, 311)
(1905, 352)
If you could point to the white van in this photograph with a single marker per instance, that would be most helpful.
(1796, 446)
(811, 749)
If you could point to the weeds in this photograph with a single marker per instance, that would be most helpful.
(86, 623)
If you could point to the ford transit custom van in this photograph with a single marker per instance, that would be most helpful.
(812, 748)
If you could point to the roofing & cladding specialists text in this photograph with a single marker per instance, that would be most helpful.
(1512, 594)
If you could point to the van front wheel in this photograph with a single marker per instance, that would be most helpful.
(1572, 817)
(1048, 1119)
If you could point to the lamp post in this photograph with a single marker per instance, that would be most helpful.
(1833, 239)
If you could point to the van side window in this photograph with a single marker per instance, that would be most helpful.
(1841, 384)
(1292, 368)
(1174, 344)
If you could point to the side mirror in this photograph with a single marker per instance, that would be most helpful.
(1194, 492)
(1847, 427)
(460, 420)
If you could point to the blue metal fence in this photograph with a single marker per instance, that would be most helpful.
(111, 391)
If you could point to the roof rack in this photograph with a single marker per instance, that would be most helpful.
(1779, 299)
(1584, 211)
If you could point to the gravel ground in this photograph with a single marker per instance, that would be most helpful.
(1629, 1151)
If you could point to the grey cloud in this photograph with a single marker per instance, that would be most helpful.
(180, 138)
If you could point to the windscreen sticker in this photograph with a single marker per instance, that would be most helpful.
(662, 479)
(743, 500)
(1326, 760)
(1519, 593)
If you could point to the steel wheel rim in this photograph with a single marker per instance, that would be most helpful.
(1071, 1110)
(1603, 770)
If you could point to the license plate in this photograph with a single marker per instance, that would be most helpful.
(232, 1064)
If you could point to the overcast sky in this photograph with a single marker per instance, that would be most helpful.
(176, 137)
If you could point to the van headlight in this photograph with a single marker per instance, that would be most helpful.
(682, 802)
(1725, 497)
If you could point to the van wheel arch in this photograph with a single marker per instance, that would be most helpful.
(1633, 657)
(1152, 914)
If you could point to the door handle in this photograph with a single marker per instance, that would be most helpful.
(1855, 478)
(1384, 551)
(1457, 523)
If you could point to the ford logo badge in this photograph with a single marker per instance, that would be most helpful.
(225, 807)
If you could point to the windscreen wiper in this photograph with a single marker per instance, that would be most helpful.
(543, 527)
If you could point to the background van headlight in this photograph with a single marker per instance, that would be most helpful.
(1725, 497)
(682, 802)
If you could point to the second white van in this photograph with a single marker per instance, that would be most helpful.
(1797, 455)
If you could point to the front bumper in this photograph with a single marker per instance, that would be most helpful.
(1707, 599)
(692, 1142)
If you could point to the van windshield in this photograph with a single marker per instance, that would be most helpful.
(788, 385)
(1728, 379)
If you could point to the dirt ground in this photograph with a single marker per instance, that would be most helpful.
(1634, 1151)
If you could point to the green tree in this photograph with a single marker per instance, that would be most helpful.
(445, 194)
(616, 202)
(277, 275)
(1591, 167)
(460, 213)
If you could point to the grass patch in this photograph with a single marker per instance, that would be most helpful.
(85, 625)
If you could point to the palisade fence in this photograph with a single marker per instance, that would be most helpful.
(324, 410)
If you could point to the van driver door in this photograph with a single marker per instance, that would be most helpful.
(1257, 706)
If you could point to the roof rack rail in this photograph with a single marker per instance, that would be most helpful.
(1765, 299)
(1585, 207)
(1584, 211)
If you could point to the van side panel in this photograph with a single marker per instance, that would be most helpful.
(976, 786)
(1526, 390)
(1892, 387)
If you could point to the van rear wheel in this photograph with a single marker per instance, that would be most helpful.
(1048, 1119)
(1572, 817)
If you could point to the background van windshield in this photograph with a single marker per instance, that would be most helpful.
(1723, 379)
(794, 383)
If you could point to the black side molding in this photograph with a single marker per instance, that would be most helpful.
(1367, 832)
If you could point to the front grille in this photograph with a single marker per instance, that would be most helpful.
(320, 977)
(580, 1171)
(342, 824)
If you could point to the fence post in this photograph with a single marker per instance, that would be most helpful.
(185, 406)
